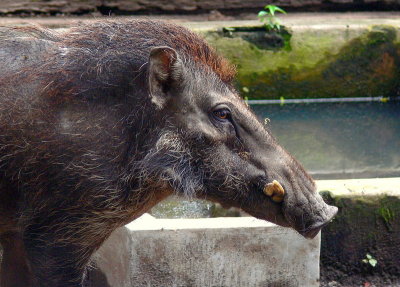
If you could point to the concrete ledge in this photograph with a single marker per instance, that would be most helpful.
(206, 252)
(361, 187)
(105, 7)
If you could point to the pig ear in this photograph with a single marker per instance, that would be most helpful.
(165, 70)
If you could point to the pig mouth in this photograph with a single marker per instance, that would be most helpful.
(277, 194)
(312, 227)
(313, 230)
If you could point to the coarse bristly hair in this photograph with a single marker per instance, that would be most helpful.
(90, 55)
(171, 161)
(106, 48)
(101, 59)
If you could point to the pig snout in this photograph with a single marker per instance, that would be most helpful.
(312, 230)
(303, 208)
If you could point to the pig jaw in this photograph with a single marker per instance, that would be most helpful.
(305, 211)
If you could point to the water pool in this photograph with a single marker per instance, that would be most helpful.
(339, 140)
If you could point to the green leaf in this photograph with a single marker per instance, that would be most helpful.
(373, 262)
(364, 261)
(271, 9)
(369, 256)
(263, 14)
(277, 9)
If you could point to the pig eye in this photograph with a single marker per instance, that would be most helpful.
(222, 114)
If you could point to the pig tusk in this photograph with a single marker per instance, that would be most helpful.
(269, 189)
(277, 198)
(275, 190)
(278, 188)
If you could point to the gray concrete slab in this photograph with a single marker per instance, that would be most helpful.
(361, 186)
(203, 22)
(208, 252)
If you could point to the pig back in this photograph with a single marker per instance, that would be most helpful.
(22, 48)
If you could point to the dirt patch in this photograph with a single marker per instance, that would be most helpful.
(366, 227)
(343, 280)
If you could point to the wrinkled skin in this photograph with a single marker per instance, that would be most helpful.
(101, 123)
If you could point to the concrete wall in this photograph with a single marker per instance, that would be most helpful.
(177, 6)
(220, 252)
(342, 59)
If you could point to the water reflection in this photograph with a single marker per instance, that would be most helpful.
(339, 140)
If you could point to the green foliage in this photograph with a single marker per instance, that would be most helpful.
(269, 19)
(386, 214)
(370, 260)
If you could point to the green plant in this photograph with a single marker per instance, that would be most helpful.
(386, 214)
(269, 19)
(370, 260)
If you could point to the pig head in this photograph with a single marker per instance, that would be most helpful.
(223, 152)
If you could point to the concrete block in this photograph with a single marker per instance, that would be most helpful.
(206, 252)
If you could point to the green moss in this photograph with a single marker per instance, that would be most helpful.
(333, 63)
(365, 212)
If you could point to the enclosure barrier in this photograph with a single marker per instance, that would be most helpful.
(322, 100)
(206, 252)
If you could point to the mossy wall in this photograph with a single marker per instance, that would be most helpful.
(314, 62)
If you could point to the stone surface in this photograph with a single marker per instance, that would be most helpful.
(314, 61)
(48, 7)
(201, 22)
(207, 252)
(177, 6)
(361, 187)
